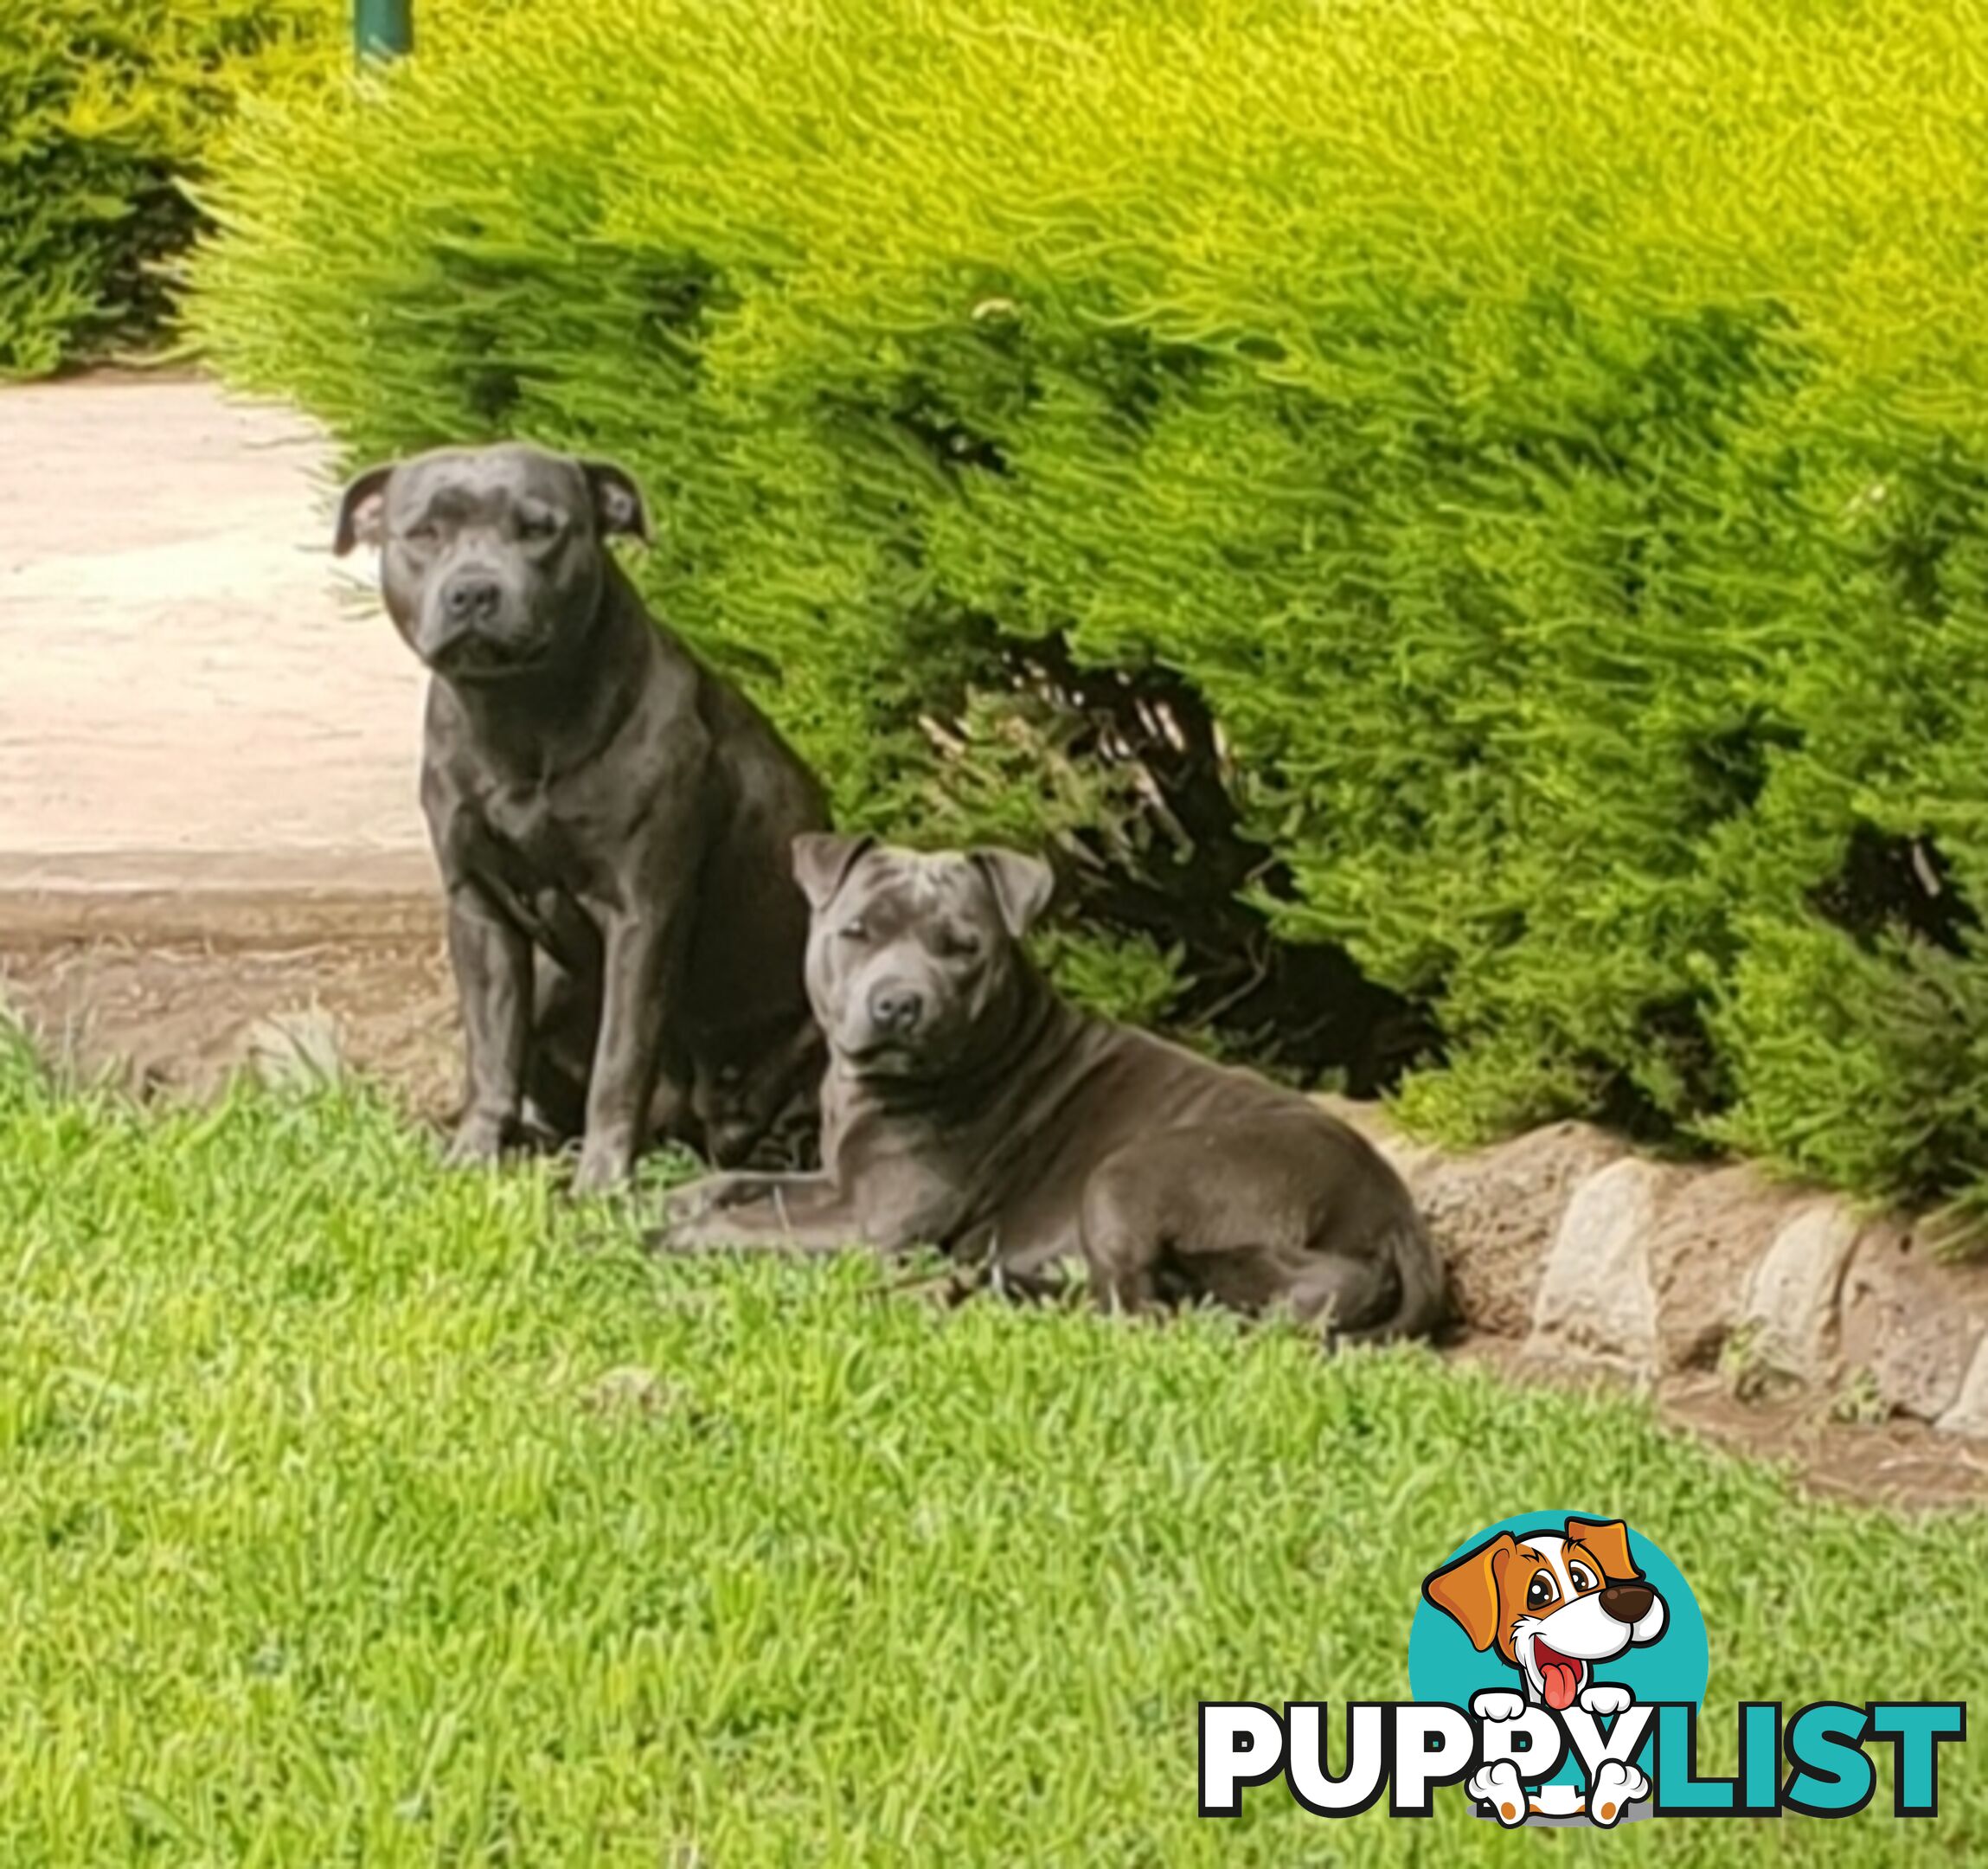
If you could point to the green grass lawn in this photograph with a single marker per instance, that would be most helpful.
(331, 1535)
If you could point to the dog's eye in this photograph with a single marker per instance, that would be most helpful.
(537, 526)
(1581, 1576)
(423, 534)
(1542, 1590)
(853, 931)
(956, 946)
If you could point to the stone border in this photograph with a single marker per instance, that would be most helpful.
(1590, 1256)
(1569, 1252)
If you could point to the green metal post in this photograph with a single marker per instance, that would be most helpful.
(383, 28)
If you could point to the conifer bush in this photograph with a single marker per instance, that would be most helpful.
(109, 109)
(1546, 445)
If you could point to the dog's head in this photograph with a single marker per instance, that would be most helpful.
(1553, 1604)
(492, 559)
(914, 960)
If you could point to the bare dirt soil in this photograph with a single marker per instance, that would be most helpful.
(171, 993)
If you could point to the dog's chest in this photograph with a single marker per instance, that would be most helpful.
(540, 864)
(524, 824)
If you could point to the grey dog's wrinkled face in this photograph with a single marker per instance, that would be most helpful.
(490, 558)
(910, 956)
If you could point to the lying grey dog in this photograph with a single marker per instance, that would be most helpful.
(612, 822)
(969, 1108)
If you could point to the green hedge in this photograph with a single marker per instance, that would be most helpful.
(108, 109)
(104, 105)
(1548, 442)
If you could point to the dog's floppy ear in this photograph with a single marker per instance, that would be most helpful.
(362, 511)
(822, 860)
(1466, 1591)
(1608, 1539)
(619, 508)
(1022, 886)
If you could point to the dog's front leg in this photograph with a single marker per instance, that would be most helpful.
(758, 1213)
(492, 958)
(641, 965)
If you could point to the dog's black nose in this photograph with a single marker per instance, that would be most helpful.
(470, 599)
(896, 1009)
(1628, 1602)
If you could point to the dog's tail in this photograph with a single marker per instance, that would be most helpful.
(1424, 1304)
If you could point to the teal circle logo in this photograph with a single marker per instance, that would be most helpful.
(1559, 1609)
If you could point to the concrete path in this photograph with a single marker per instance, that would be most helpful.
(193, 693)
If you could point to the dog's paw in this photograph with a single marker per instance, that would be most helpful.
(1616, 1787)
(1605, 1697)
(603, 1169)
(691, 1217)
(538, 1131)
(1498, 1785)
(1498, 1704)
(682, 1208)
(478, 1142)
(671, 1242)
(690, 1200)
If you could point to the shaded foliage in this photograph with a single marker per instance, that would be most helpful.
(1536, 455)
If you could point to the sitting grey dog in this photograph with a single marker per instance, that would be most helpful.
(754, 1096)
(969, 1108)
(612, 822)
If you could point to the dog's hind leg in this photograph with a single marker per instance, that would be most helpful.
(1121, 1233)
(1351, 1300)
(1397, 1290)
(1256, 1217)
(1224, 1213)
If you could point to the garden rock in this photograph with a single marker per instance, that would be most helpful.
(1969, 1414)
(1596, 1300)
(1788, 1314)
(1913, 1325)
(1710, 1227)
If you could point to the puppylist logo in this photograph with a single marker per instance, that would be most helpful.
(1558, 1662)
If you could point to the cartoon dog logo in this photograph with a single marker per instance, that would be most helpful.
(1553, 1605)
